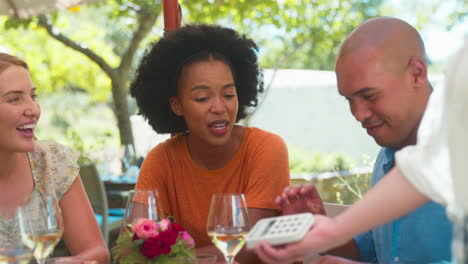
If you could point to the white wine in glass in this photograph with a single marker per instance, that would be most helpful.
(228, 223)
(13, 250)
(15, 254)
(41, 224)
(68, 260)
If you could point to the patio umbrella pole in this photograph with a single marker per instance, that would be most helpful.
(172, 19)
(172, 15)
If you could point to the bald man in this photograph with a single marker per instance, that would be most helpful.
(381, 71)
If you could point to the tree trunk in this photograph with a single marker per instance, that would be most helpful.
(119, 96)
(119, 76)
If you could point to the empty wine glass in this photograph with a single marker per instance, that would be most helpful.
(228, 223)
(142, 204)
(12, 249)
(128, 156)
(41, 224)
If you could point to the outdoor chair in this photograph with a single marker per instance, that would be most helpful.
(97, 196)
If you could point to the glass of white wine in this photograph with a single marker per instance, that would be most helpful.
(68, 260)
(41, 224)
(12, 250)
(228, 223)
(15, 253)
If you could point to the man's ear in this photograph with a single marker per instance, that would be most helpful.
(175, 106)
(418, 71)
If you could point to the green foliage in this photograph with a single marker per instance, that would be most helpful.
(14, 23)
(420, 13)
(71, 118)
(78, 144)
(343, 186)
(117, 20)
(124, 242)
(309, 32)
(303, 162)
(135, 17)
(340, 189)
(54, 67)
(127, 251)
(315, 27)
(460, 14)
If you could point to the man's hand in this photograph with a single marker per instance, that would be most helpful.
(322, 237)
(300, 199)
(334, 260)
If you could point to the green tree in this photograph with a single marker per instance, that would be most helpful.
(57, 68)
(123, 25)
(291, 34)
(421, 13)
(134, 17)
(301, 34)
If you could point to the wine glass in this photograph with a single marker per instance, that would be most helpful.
(142, 204)
(41, 224)
(228, 223)
(13, 250)
(128, 156)
(68, 260)
(15, 253)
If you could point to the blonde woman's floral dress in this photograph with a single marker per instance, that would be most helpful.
(54, 168)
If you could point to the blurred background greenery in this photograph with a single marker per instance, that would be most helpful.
(335, 176)
(83, 59)
(95, 48)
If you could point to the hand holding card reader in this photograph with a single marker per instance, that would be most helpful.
(280, 230)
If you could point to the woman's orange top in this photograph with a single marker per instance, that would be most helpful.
(259, 169)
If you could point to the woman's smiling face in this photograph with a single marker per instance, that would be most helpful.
(207, 100)
(19, 111)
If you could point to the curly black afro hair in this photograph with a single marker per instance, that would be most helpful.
(156, 78)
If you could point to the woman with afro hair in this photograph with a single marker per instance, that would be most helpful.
(196, 83)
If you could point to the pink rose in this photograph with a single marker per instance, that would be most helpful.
(188, 239)
(164, 224)
(145, 228)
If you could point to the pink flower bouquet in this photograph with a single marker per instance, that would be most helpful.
(148, 241)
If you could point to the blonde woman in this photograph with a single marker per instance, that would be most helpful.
(28, 165)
